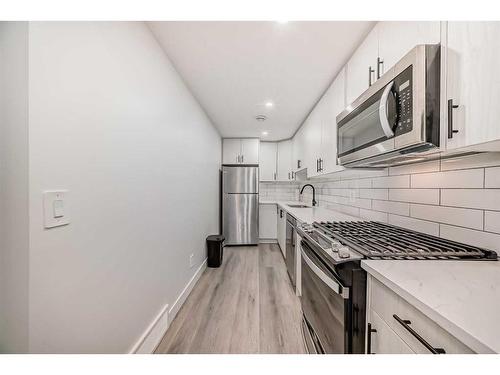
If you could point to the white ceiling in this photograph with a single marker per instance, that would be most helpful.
(234, 68)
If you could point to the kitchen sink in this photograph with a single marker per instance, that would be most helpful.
(298, 206)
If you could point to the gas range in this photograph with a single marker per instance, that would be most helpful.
(354, 240)
(333, 283)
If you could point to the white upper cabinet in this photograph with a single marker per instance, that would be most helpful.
(298, 149)
(231, 151)
(285, 160)
(250, 150)
(361, 67)
(334, 103)
(312, 138)
(267, 162)
(240, 151)
(473, 83)
(396, 39)
(384, 46)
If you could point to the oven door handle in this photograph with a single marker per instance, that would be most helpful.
(332, 284)
(386, 127)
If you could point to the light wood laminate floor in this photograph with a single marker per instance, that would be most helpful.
(245, 306)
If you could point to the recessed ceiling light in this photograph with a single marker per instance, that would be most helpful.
(269, 104)
(265, 133)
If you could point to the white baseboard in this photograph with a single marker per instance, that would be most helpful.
(268, 240)
(151, 338)
(153, 334)
(187, 290)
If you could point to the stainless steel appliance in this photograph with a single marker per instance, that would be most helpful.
(396, 120)
(334, 284)
(240, 205)
(291, 258)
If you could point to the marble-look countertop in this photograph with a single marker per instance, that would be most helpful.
(310, 214)
(463, 297)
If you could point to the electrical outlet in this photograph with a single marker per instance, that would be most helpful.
(191, 260)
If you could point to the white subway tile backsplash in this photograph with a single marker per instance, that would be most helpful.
(487, 240)
(468, 178)
(487, 199)
(424, 226)
(373, 215)
(449, 197)
(492, 221)
(492, 177)
(391, 207)
(464, 217)
(428, 166)
(382, 194)
(391, 182)
(427, 196)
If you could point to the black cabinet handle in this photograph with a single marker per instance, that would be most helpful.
(369, 339)
(320, 165)
(298, 163)
(288, 175)
(380, 63)
(293, 175)
(406, 325)
(451, 106)
(370, 71)
(317, 165)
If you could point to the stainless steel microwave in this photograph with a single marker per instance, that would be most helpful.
(396, 120)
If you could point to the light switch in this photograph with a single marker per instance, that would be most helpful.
(58, 208)
(55, 208)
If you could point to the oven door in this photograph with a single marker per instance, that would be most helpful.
(325, 304)
(369, 129)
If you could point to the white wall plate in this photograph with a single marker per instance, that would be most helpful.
(55, 207)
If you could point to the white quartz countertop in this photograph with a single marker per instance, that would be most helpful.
(310, 214)
(463, 297)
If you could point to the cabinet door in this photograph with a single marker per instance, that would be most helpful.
(268, 224)
(473, 82)
(298, 143)
(250, 151)
(334, 103)
(384, 340)
(396, 39)
(285, 160)
(231, 151)
(358, 65)
(267, 161)
(281, 230)
(312, 140)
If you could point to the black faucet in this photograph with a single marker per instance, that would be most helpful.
(314, 193)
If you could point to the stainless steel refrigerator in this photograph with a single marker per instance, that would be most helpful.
(240, 205)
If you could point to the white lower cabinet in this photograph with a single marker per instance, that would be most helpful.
(399, 327)
(268, 223)
(383, 339)
(281, 230)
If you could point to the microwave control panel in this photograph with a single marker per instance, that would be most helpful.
(403, 85)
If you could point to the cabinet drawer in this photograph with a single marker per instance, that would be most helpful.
(384, 340)
(386, 304)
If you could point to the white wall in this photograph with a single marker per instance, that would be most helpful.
(13, 187)
(111, 121)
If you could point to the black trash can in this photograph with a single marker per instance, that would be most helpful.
(215, 244)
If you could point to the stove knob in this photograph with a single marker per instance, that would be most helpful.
(344, 252)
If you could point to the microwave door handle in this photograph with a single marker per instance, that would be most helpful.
(332, 284)
(386, 127)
